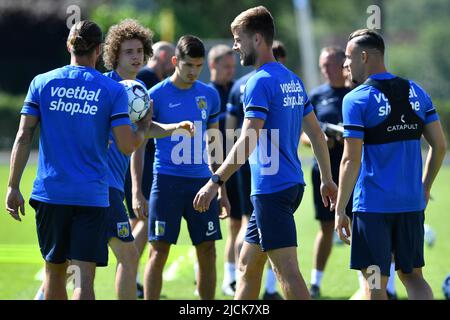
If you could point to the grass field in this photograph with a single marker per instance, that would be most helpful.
(20, 260)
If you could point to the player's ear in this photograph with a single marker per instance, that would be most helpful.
(364, 56)
(174, 61)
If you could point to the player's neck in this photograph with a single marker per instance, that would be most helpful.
(124, 74)
(179, 83)
(375, 69)
(263, 58)
(82, 61)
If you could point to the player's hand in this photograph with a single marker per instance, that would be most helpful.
(329, 190)
(188, 126)
(145, 123)
(342, 226)
(204, 196)
(224, 203)
(14, 203)
(140, 205)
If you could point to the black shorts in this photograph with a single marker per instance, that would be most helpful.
(68, 232)
(323, 213)
(238, 190)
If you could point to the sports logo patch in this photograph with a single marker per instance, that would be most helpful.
(160, 228)
(123, 229)
(201, 102)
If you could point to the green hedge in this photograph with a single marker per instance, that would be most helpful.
(10, 106)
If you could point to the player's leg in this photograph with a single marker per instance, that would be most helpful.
(285, 264)
(55, 281)
(88, 248)
(408, 253)
(416, 286)
(251, 266)
(234, 224)
(206, 276)
(164, 221)
(153, 274)
(127, 263)
(204, 230)
(122, 244)
(376, 284)
(84, 284)
(53, 224)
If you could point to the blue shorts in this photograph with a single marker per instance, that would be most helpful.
(238, 190)
(172, 198)
(272, 224)
(117, 218)
(147, 178)
(376, 236)
(67, 232)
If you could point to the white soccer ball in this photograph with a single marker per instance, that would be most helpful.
(446, 287)
(138, 99)
(429, 235)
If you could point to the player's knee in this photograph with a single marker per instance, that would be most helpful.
(207, 249)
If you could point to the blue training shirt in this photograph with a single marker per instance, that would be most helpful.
(118, 162)
(235, 98)
(275, 94)
(390, 178)
(180, 155)
(76, 106)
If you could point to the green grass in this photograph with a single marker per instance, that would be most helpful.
(20, 260)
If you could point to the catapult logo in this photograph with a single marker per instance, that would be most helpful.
(403, 126)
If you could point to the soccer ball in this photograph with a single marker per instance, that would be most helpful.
(138, 99)
(429, 235)
(446, 287)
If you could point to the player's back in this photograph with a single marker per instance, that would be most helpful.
(75, 105)
(276, 95)
(391, 171)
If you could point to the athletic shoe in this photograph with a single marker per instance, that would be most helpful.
(230, 289)
(314, 291)
(139, 290)
(272, 296)
(391, 295)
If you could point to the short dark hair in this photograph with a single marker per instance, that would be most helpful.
(256, 20)
(368, 38)
(336, 51)
(84, 37)
(191, 46)
(278, 49)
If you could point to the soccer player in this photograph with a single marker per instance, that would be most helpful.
(384, 119)
(180, 172)
(275, 106)
(327, 102)
(76, 107)
(241, 206)
(127, 47)
(159, 67)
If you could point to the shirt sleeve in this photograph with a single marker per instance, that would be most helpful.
(256, 99)
(215, 107)
(431, 114)
(119, 114)
(31, 105)
(308, 108)
(352, 113)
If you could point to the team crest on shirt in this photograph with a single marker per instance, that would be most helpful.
(123, 229)
(160, 228)
(202, 105)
